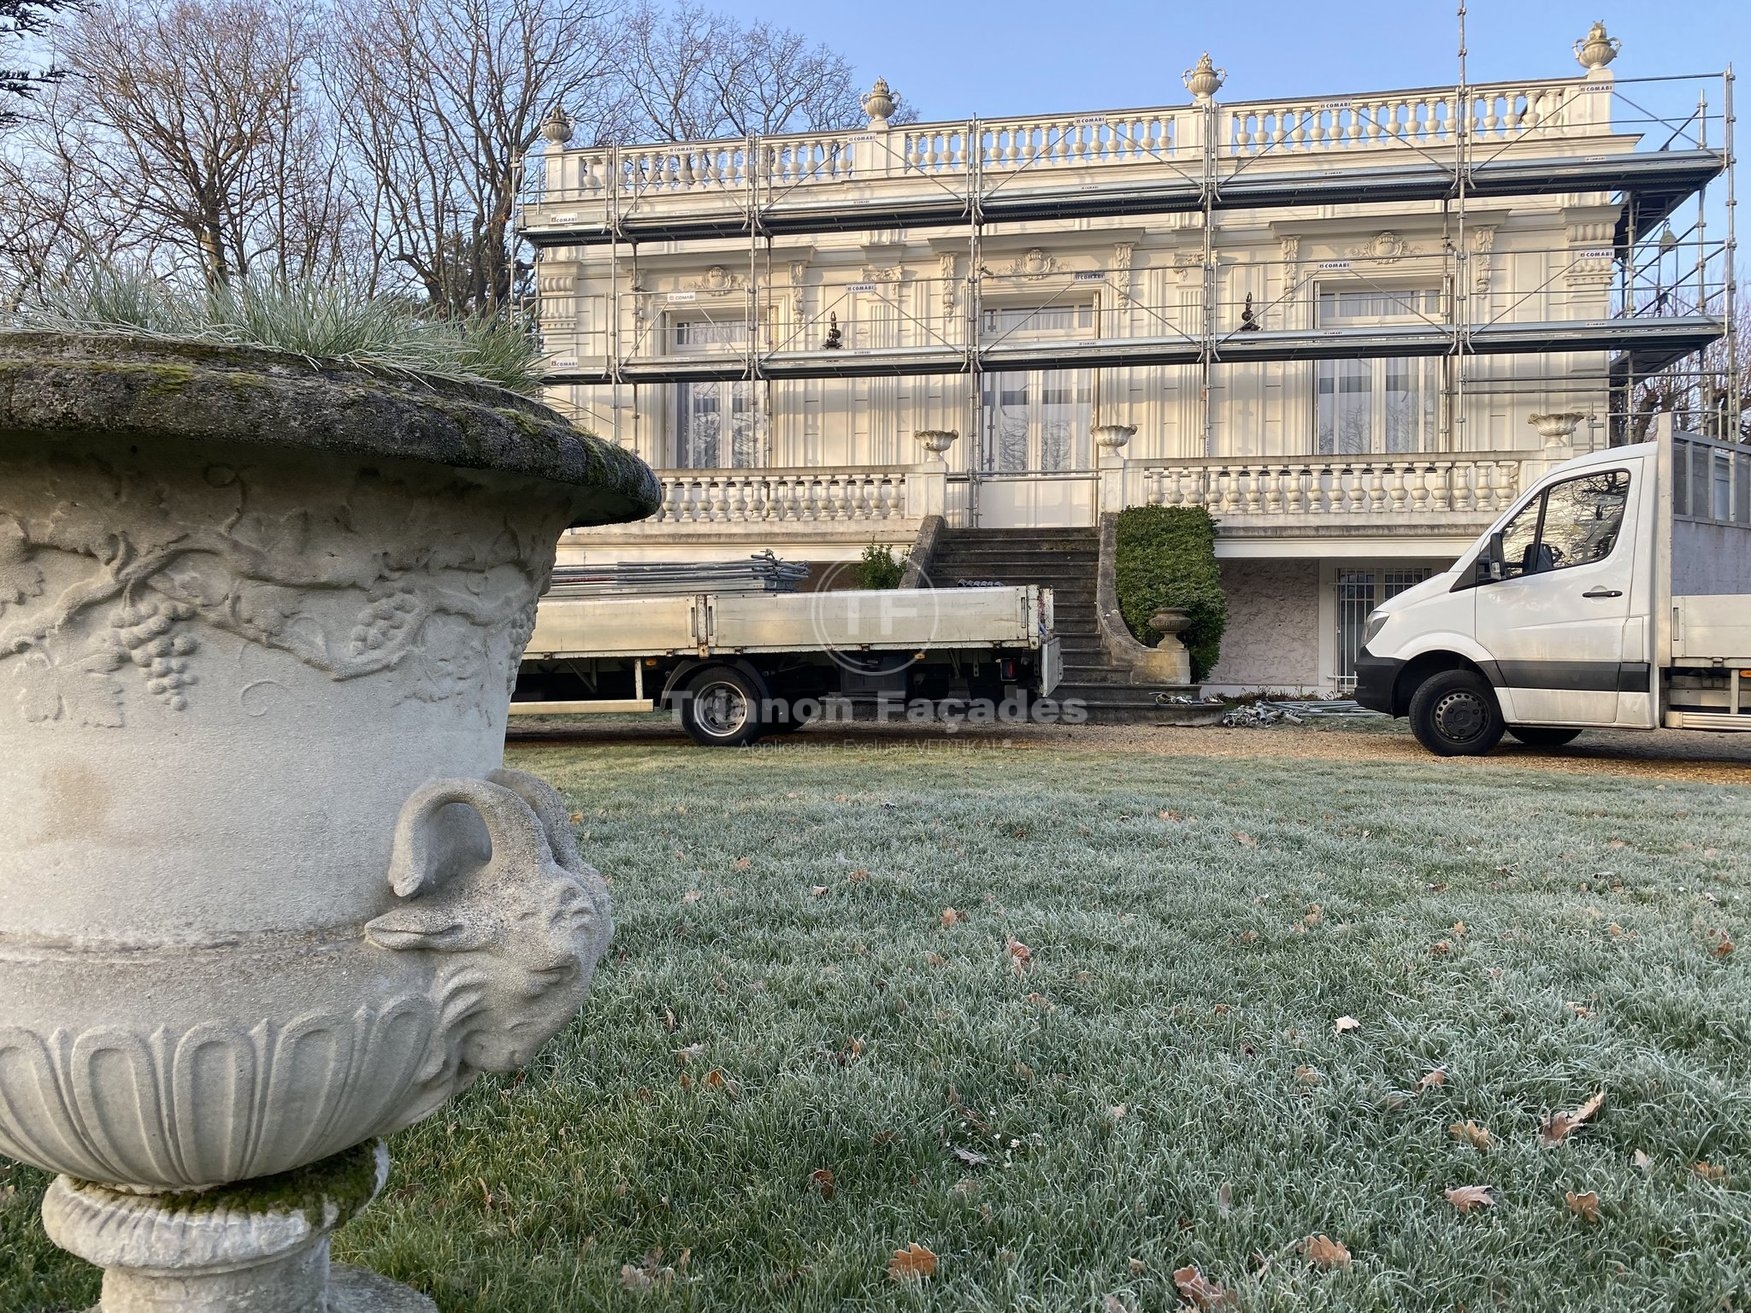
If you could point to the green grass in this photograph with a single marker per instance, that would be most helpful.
(1176, 969)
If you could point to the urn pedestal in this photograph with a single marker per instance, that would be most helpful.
(265, 893)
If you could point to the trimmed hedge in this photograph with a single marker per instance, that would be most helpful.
(1165, 556)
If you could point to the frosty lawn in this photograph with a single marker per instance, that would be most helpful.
(795, 1064)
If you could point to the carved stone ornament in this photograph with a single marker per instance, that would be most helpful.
(1124, 253)
(1597, 49)
(1034, 264)
(718, 280)
(1384, 247)
(265, 894)
(936, 441)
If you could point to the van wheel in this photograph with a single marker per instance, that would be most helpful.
(1455, 714)
(721, 708)
(1538, 736)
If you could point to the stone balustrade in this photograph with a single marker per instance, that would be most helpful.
(1502, 113)
(861, 496)
(1473, 485)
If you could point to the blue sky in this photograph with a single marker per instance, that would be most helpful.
(1028, 56)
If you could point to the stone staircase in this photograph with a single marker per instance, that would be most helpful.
(1064, 560)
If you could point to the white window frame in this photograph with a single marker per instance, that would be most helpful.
(742, 396)
(1406, 303)
(1046, 453)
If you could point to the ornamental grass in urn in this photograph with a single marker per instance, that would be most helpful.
(266, 894)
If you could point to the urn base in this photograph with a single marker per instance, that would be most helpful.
(255, 1247)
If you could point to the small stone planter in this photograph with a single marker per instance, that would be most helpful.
(265, 893)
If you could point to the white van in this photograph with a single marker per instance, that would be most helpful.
(1614, 594)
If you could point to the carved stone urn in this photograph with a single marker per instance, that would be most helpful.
(936, 441)
(1558, 428)
(266, 894)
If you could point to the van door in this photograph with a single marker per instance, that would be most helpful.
(1556, 625)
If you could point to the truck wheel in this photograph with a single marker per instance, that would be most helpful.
(1538, 736)
(1455, 714)
(721, 708)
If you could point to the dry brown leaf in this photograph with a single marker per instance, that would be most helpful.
(1467, 1197)
(1560, 1125)
(1020, 955)
(744, 863)
(969, 1158)
(1225, 1198)
(1169, 815)
(1440, 948)
(1308, 1075)
(691, 896)
(1249, 936)
(1584, 1205)
(859, 876)
(1041, 1001)
(1345, 1024)
(817, 890)
(1137, 1267)
(669, 1022)
(1314, 915)
(1245, 840)
(1433, 1079)
(1117, 1112)
(913, 1263)
(686, 1055)
(1709, 1172)
(951, 917)
(821, 1182)
(1325, 1253)
(1199, 1291)
(715, 1079)
(1722, 946)
(1221, 1009)
(1640, 1161)
(1478, 1137)
(934, 959)
(1459, 929)
(1113, 1304)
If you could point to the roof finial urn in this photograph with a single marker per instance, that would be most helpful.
(1597, 48)
(879, 103)
(557, 126)
(1204, 80)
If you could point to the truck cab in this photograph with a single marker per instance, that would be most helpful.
(1615, 593)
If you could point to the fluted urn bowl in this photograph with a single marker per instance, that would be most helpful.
(264, 891)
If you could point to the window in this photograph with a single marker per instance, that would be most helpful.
(1572, 523)
(1037, 422)
(716, 424)
(1358, 593)
(1368, 406)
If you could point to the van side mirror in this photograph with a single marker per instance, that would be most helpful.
(1492, 566)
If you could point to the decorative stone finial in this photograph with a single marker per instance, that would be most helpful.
(937, 441)
(1597, 48)
(557, 126)
(1249, 320)
(1113, 437)
(879, 103)
(1205, 79)
(835, 339)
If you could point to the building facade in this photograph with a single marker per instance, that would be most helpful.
(1351, 327)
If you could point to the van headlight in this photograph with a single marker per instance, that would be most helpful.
(1375, 623)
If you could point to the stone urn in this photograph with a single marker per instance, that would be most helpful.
(1169, 622)
(1597, 49)
(1113, 437)
(1558, 428)
(266, 894)
(936, 441)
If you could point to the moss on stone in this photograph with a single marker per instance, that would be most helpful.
(347, 1181)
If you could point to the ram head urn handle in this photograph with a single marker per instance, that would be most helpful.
(518, 937)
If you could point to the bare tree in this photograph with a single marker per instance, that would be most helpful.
(21, 22)
(693, 74)
(197, 121)
(441, 101)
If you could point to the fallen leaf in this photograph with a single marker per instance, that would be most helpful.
(1440, 948)
(1248, 936)
(951, 917)
(1560, 1125)
(1308, 1075)
(1245, 840)
(1324, 1252)
(686, 1055)
(1344, 1024)
(1722, 946)
(1199, 1291)
(970, 1158)
(635, 1278)
(691, 896)
(1020, 955)
(1169, 815)
(669, 1022)
(1137, 1267)
(1478, 1137)
(1584, 1205)
(1433, 1080)
(934, 959)
(1641, 1162)
(1041, 1001)
(1221, 1009)
(859, 876)
(1710, 1172)
(1314, 915)
(716, 1080)
(1459, 929)
(1467, 1197)
(1113, 1304)
(821, 1182)
(1024, 1071)
(1117, 1112)
(913, 1263)
(1225, 1198)
(743, 863)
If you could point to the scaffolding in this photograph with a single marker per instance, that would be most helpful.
(1461, 146)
